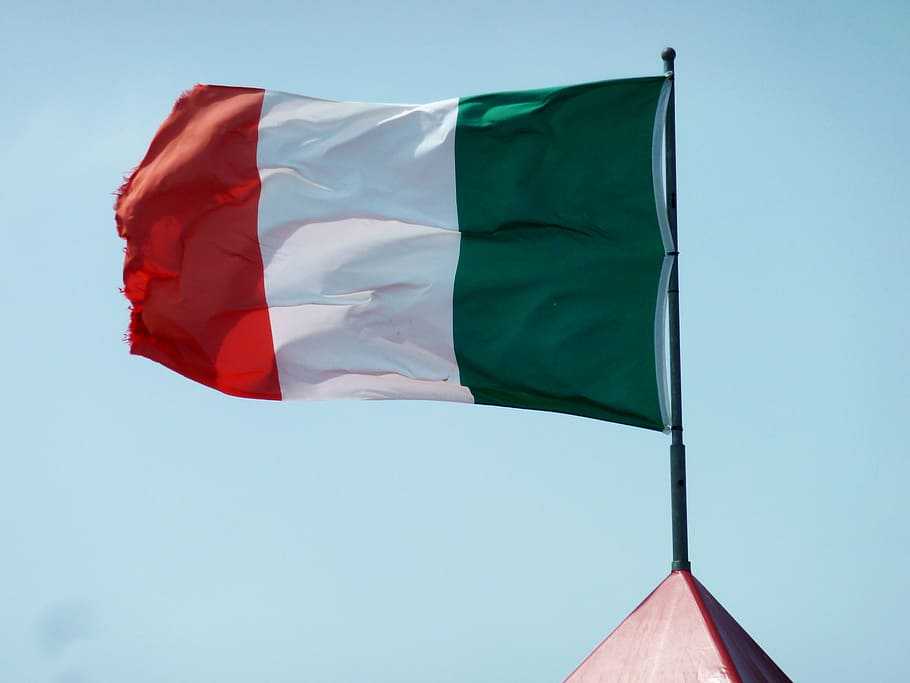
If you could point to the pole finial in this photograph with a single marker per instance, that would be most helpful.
(668, 54)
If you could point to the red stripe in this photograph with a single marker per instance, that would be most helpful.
(193, 271)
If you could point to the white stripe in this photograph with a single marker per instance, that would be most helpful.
(358, 228)
(657, 165)
(660, 202)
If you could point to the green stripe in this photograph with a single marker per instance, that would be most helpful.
(561, 251)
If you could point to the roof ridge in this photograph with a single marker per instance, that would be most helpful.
(610, 634)
(716, 638)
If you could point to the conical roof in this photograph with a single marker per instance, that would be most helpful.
(679, 633)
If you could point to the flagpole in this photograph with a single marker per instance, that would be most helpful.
(677, 448)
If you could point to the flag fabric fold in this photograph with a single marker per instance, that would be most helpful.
(506, 249)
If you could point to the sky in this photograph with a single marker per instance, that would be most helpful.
(155, 530)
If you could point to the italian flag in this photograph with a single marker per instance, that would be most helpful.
(506, 249)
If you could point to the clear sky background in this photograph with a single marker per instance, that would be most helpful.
(153, 530)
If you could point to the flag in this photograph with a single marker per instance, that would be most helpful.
(505, 249)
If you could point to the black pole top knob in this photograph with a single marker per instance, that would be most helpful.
(668, 55)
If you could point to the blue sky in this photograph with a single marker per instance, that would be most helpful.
(155, 530)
